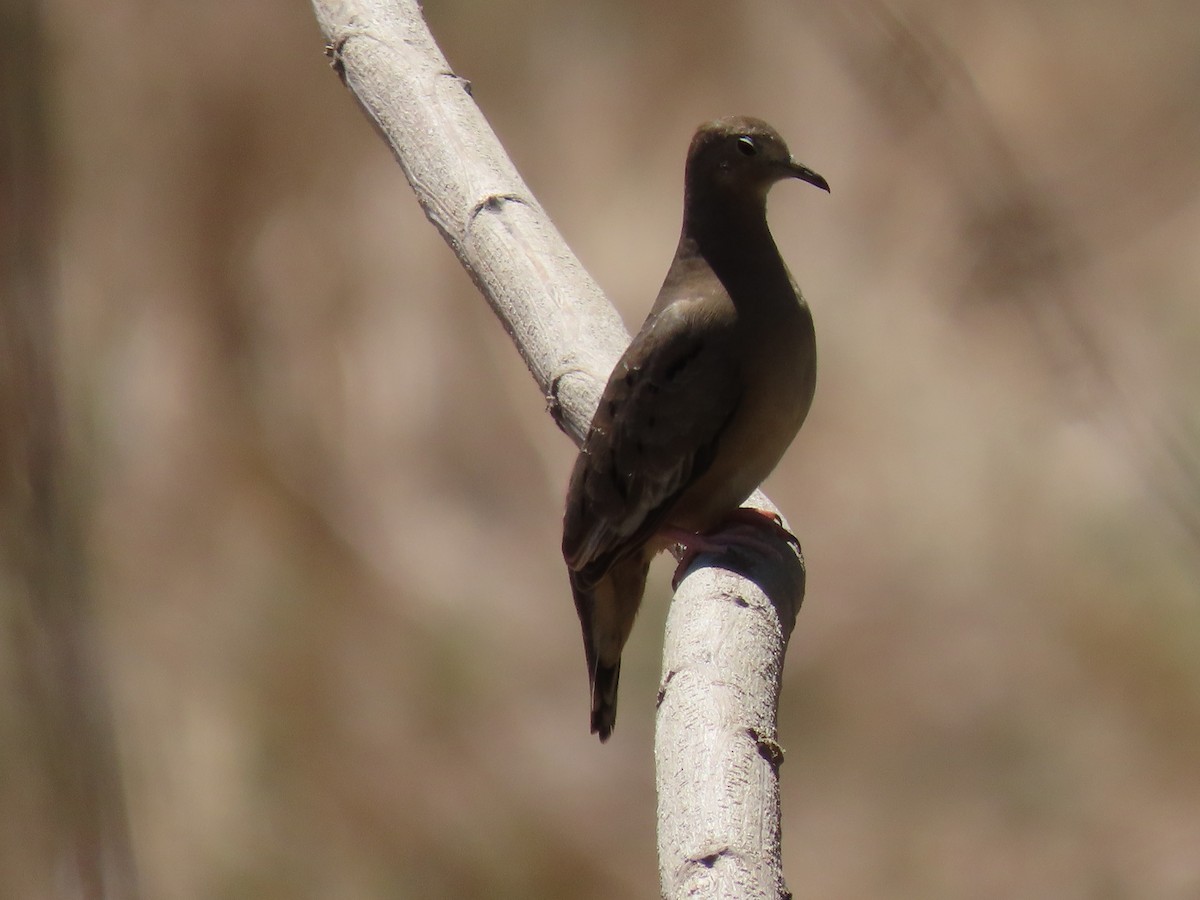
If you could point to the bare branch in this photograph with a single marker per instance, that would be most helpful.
(566, 330)
(716, 748)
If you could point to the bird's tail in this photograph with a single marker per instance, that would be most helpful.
(604, 698)
(607, 607)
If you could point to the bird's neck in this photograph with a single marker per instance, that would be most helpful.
(730, 233)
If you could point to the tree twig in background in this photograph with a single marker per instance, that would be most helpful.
(716, 750)
(60, 775)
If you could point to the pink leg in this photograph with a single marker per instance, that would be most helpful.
(741, 528)
(758, 518)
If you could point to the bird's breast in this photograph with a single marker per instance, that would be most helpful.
(778, 380)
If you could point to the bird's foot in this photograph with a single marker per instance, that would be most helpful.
(753, 517)
(743, 528)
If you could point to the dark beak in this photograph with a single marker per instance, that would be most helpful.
(804, 173)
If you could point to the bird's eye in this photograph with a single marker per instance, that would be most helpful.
(746, 145)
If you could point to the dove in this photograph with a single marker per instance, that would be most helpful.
(703, 403)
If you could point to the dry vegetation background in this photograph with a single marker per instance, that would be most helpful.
(320, 499)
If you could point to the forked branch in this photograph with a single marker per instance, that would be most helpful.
(716, 749)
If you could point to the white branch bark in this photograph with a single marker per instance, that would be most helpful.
(717, 754)
(716, 751)
(568, 333)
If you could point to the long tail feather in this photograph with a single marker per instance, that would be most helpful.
(607, 608)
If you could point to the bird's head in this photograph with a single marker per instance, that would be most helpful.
(742, 155)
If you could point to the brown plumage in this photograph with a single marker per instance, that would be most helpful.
(705, 400)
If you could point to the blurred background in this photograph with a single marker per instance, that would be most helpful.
(317, 621)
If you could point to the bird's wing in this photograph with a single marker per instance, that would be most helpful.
(655, 432)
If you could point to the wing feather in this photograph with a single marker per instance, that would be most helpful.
(655, 432)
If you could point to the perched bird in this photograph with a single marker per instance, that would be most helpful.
(703, 404)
